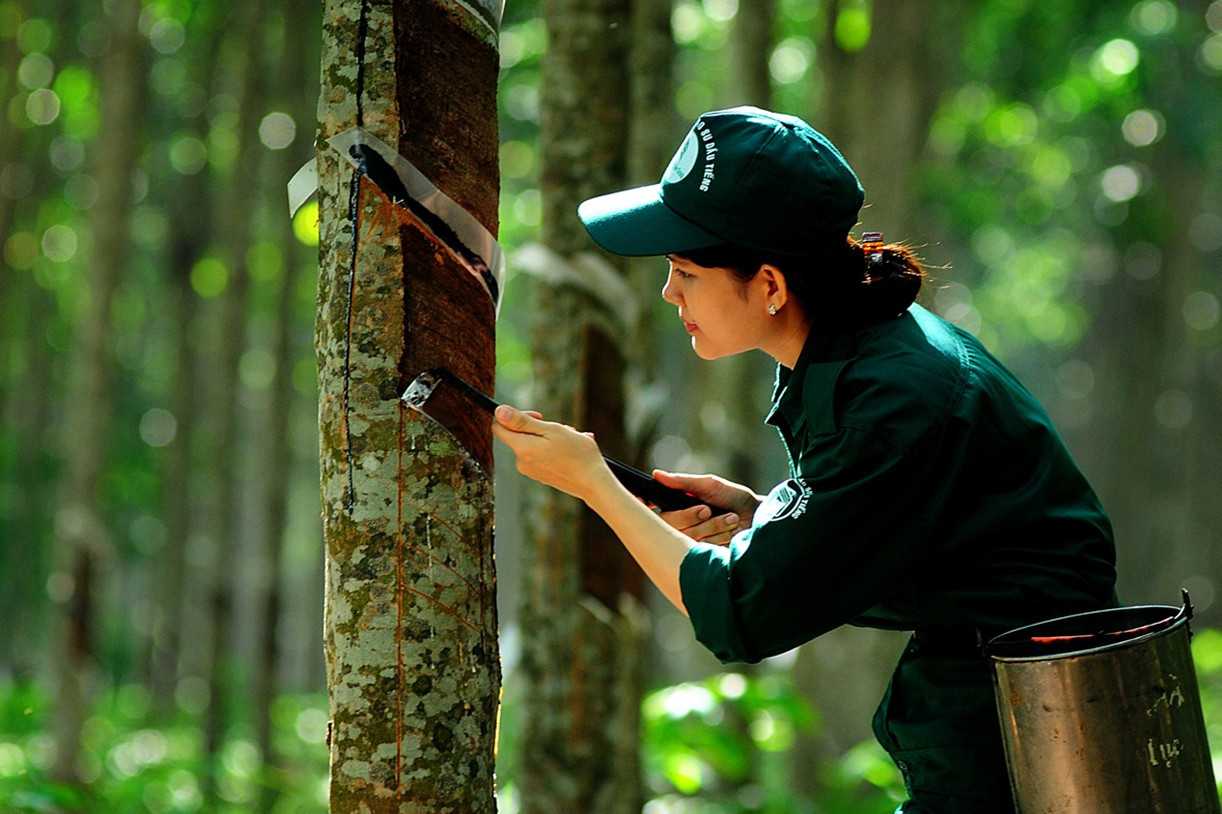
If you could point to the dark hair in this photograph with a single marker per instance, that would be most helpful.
(834, 282)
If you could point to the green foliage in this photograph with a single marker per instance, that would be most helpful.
(722, 745)
(135, 765)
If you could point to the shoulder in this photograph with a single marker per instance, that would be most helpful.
(905, 377)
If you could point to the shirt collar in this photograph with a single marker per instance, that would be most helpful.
(820, 346)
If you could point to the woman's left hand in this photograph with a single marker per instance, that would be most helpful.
(551, 453)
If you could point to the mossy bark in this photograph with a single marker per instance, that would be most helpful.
(580, 657)
(410, 624)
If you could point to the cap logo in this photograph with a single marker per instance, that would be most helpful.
(681, 165)
(710, 154)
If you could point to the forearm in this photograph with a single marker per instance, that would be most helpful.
(657, 547)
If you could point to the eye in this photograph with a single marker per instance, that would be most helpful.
(683, 274)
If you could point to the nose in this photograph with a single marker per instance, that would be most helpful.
(668, 290)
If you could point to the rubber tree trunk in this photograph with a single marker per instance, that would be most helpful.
(410, 625)
(238, 218)
(279, 453)
(80, 530)
(875, 105)
(582, 610)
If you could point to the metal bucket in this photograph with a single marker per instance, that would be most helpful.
(1100, 714)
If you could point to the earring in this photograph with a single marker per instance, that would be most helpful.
(771, 310)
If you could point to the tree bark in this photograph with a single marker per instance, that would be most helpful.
(410, 625)
(582, 587)
(80, 530)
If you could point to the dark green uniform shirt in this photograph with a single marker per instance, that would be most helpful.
(928, 489)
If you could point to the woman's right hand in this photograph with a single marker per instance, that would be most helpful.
(727, 508)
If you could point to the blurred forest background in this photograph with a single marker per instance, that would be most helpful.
(1057, 165)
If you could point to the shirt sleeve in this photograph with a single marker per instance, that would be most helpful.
(822, 548)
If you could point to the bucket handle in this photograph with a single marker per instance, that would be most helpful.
(1185, 612)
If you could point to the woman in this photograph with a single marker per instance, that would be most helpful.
(928, 489)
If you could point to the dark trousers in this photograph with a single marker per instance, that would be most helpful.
(938, 721)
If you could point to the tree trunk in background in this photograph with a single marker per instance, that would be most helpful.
(279, 453)
(582, 605)
(22, 648)
(751, 42)
(80, 530)
(191, 227)
(413, 661)
(32, 388)
(875, 105)
(238, 218)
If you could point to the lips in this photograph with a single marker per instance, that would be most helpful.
(691, 326)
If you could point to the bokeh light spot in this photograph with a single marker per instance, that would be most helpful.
(42, 106)
(1142, 128)
(35, 71)
(209, 277)
(277, 130)
(59, 243)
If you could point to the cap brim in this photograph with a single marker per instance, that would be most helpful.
(636, 223)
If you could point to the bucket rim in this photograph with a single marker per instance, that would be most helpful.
(1176, 618)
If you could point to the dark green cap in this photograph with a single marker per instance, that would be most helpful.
(743, 176)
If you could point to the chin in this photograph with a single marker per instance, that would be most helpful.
(702, 350)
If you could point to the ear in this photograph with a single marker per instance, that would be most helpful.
(775, 290)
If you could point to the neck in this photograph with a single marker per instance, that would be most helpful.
(787, 342)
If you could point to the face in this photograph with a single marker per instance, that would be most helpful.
(721, 322)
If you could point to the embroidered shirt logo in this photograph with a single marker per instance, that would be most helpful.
(786, 500)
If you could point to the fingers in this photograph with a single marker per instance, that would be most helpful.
(713, 527)
(683, 519)
(699, 523)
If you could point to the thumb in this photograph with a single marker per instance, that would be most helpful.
(511, 417)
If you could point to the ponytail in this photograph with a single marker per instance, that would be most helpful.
(890, 276)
